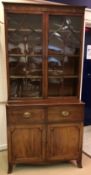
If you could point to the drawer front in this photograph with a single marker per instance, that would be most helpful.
(24, 115)
(65, 113)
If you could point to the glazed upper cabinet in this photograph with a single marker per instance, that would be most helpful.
(44, 52)
(44, 65)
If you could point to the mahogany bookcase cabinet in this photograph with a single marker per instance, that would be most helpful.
(44, 65)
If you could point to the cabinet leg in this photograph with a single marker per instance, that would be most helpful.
(79, 163)
(10, 168)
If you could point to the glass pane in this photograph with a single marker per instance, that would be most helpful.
(55, 86)
(70, 85)
(25, 55)
(55, 66)
(63, 54)
(71, 66)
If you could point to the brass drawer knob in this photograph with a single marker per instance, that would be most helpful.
(27, 115)
(65, 113)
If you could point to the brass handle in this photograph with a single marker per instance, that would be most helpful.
(27, 115)
(65, 113)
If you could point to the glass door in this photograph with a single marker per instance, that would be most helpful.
(63, 55)
(25, 55)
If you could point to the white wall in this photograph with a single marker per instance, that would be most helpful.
(88, 17)
(3, 84)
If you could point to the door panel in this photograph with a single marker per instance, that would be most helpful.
(28, 143)
(25, 53)
(63, 55)
(63, 141)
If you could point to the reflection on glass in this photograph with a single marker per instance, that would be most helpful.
(26, 75)
(64, 34)
(25, 55)
(55, 66)
(25, 87)
(63, 55)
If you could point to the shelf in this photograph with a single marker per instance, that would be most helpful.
(39, 77)
(55, 72)
(40, 55)
(63, 76)
(24, 30)
(24, 55)
(61, 31)
(25, 77)
(63, 55)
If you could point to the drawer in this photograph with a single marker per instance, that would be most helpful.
(24, 115)
(66, 113)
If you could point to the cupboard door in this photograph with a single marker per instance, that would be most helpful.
(64, 141)
(64, 38)
(27, 144)
(25, 55)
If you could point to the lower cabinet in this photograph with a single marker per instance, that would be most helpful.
(39, 135)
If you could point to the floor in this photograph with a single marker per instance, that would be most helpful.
(62, 168)
(87, 140)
